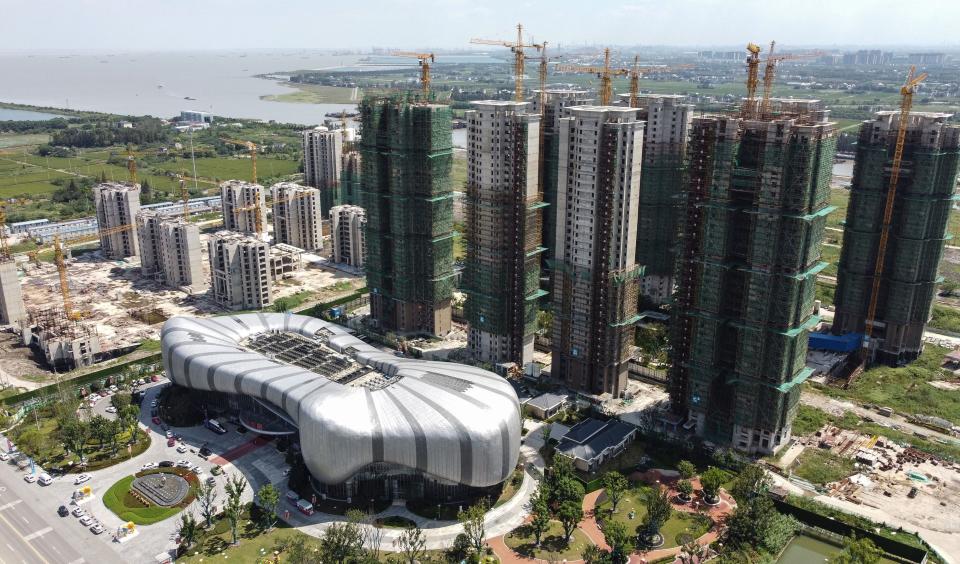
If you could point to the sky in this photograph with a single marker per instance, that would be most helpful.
(105, 25)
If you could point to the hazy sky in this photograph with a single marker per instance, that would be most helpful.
(212, 24)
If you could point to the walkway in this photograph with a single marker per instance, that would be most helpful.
(238, 451)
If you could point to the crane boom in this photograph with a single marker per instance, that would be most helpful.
(606, 72)
(426, 59)
(770, 70)
(519, 56)
(906, 102)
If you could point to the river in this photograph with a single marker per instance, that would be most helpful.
(163, 84)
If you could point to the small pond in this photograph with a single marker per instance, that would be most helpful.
(808, 550)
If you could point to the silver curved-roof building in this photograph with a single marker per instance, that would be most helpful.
(353, 403)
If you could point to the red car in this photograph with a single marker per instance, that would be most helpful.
(155, 378)
(156, 420)
(171, 442)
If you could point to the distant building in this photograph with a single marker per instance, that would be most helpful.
(244, 206)
(296, 216)
(240, 271)
(117, 206)
(46, 232)
(25, 226)
(191, 116)
(321, 164)
(347, 233)
(927, 58)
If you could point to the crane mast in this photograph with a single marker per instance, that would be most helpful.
(425, 59)
(517, 48)
(753, 73)
(906, 102)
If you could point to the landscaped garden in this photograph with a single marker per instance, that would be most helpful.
(553, 546)
(129, 507)
(631, 512)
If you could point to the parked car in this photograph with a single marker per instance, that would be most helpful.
(87, 520)
(171, 442)
(196, 469)
(183, 463)
(154, 403)
(166, 464)
(216, 470)
(78, 512)
(149, 466)
(169, 434)
(155, 420)
(44, 479)
(4, 456)
(182, 449)
(292, 497)
(63, 511)
(305, 507)
(82, 478)
(29, 478)
(211, 481)
(205, 451)
(111, 409)
(96, 529)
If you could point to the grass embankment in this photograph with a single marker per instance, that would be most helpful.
(314, 94)
(119, 499)
(906, 389)
(680, 523)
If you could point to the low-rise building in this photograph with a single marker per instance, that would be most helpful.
(592, 442)
(546, 405)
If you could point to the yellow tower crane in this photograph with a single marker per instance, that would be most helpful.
(258, 220)
(131, 166)
(753, 76)
(252, 147)
(604, 73)
(61, 264)
(519, 56)
(770, 70)
(906, 102)
(426, 59)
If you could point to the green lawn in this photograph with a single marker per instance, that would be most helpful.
(553, 547)
(825, 292)
(679, 522)
(821, 466)
(119, 499)
(946, 318)
(841, 199)
(314, 94)
(459, 171)
(227, 168)
(831, 255)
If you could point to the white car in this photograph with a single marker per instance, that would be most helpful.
(196, 469)
(4, 456)
(79, 512)
(29, 478)
(82, 478)
(44, 479)
(114, 389)
(149, 466)
(183, 463)
(153, 403)
(111, 409)
(182, 449)
(169, 434)
(96, 529)
(87, 520)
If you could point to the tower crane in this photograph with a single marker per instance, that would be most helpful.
(131, 166)
(606, 72)
(637, 71)
(252, 147)
(770, 70)
(61, 264)
(753, 74)
(258, 220)
(517, 47)
(426, 59)
(906, 102)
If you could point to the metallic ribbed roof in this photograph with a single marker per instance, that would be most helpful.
(451, 421)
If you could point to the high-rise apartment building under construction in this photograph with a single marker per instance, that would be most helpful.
(917, 235)
(503, 217)
(595, 275)
(668, 120)
(296, 216)
(406, 153)
(244, 206)
(754, 218)
(322, 151)
(117, 206)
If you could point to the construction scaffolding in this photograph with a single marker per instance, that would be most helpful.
(924, 198)
(65, 344)
(755, 215)
(350, 179)
(406, 154)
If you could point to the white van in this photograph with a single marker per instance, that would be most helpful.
(45, 479)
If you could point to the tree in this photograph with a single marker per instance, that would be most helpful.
(540, 512)
(616, 535)
(116, 429)
(207, 498)
(130, 417)
(341, 542)
(472, 520)
(269, 499)
(146, 192)
(593, 554)
(685, 489)
(658, 512)
(544, 322)
(756, 523)
(120, 401)
(412, 544)
(751, 481)
(711, 480)
(686, 469)
(570, 513)
(858, 551)
(101, 429)
(233, 510)
(615, 486)
(187, 529)
(73, 434)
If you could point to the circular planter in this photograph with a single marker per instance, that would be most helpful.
(654, 541)
(685, 499)
(711, 502)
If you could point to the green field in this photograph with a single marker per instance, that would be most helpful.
(314, 94)
(822, 467)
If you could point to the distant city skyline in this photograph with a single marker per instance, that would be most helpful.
(247, 24)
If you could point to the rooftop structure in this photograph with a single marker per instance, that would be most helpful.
(407, 153)
(296, 216)
(244, 206)
(595, 275)
(240, 270)
(117, 206)
(354, 405)
(347, 233)
(591, 442)
(504, 220)
(756, 208)
(546, 405)
(924, 197)
(322, 151)
(46, 232)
